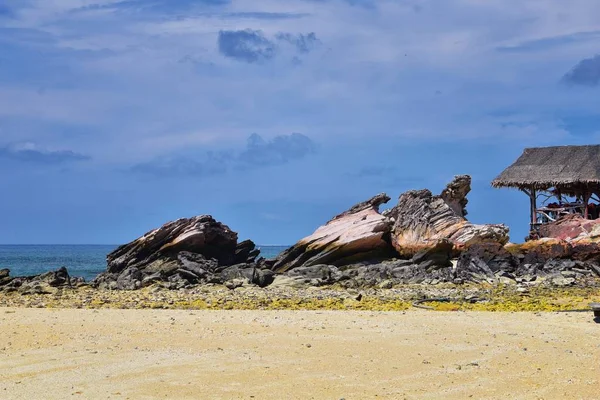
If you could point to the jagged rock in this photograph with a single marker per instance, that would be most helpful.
(5, 276)
(357, 234)
(151, 279)
(437, 255)
(474, 270)
(185, 252)
(189, 275)
(57, 278)
(177, 282)
(542, 250)
(315, 275)
(494, 255)
(130, 279)
(246, 252)
(421, 219)
(196, 263)
(201, 235)
(455, 194)
(248, 272)
(46, 283)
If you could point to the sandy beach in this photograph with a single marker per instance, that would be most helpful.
(204, 354)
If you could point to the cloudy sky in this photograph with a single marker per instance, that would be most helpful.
(117, 116)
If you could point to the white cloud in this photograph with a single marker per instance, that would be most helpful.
(419, 70)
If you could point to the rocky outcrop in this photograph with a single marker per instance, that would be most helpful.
(419, 237)
(545, 260)
(201, 235)
(361, 233)
(424, 239)
(485, 263)
(181, 253)
(421, 219)
(46, 283)
(572, 228)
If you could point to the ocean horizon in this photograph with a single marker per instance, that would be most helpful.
(85, 260)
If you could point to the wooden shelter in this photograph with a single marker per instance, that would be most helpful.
(559, 172)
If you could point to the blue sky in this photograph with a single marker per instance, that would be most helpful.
(273, 116)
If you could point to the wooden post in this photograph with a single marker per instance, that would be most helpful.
(586, 199)
(533, 206)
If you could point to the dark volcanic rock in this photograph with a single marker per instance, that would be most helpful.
(361, 233)
(248, 273)
(437, 255)
(4, 276)
(246, 252)
(316, 275)
(130, 279)
(474, 270)
(494, 255)
(45, 283)
(196, 263)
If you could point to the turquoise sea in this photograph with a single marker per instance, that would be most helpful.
(81, 260)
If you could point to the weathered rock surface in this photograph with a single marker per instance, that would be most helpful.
(183, 253)
(549, 262)
(572, 228)
(46, 283)
(361, 233)
(427, 231)
(429, 266)
(424, 239)
(421, 219)
(201, 235)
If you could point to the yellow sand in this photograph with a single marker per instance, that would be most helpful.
(177, 354)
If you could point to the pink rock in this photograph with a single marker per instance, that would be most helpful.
(421, 219)
(356, 234)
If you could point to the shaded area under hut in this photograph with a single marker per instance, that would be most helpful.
(559, 180)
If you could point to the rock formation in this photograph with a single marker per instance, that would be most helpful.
(46, 283)
(360, 233)
(183, 252)
(572, 228)
(424, 239)
(421, 219)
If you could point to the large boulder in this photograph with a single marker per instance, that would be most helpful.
(422, 219)
(182, 253)
(357, 234)
(201, 234)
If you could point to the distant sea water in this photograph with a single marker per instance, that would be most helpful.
(81, 260)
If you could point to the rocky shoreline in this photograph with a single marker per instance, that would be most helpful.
(443, 297)
(424, 240)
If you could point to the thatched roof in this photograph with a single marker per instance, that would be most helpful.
(558, 166)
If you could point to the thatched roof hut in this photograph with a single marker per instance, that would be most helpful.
(558, 171)
(557, 166)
